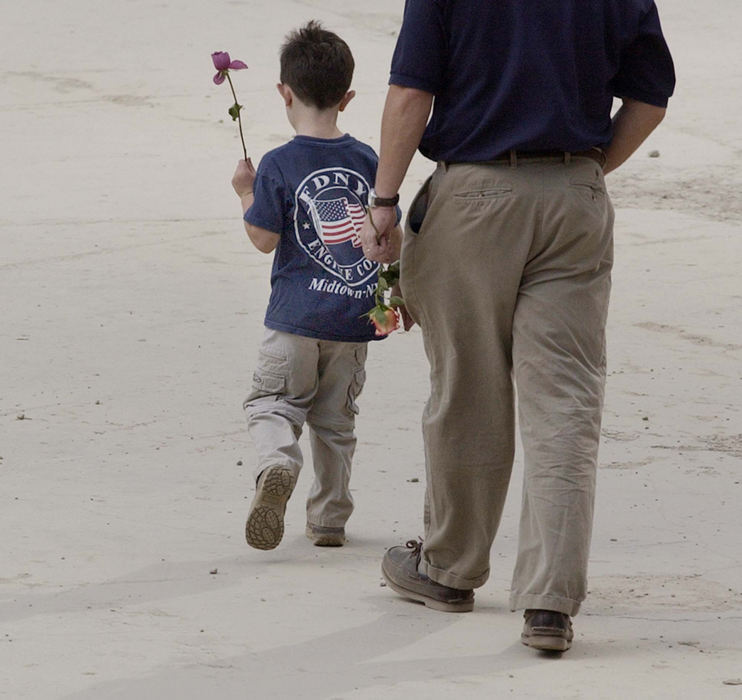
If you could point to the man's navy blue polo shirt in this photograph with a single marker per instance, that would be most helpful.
(528, 74)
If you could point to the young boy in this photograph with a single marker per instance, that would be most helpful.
(307, 202)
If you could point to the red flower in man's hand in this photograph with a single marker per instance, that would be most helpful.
(384, 314)
(385, 320)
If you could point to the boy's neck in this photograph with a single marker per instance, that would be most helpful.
(320, 124)
(320, 133)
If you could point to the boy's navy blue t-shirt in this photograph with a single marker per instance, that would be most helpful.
(313, 192)
(528, 74)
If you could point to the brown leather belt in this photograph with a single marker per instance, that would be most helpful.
(512, 157)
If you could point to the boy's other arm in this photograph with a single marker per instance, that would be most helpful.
(243, 182)
(263, 239)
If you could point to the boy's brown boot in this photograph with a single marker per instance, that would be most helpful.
(264, 527)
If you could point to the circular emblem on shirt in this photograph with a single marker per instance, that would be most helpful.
(328, 215)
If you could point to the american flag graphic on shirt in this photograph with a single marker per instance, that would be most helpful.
(340, 220)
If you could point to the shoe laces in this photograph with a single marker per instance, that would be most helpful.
(417, 548)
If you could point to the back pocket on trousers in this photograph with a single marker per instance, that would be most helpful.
(419, 208)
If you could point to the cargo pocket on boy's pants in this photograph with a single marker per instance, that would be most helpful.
(269, 379)
(354, 391)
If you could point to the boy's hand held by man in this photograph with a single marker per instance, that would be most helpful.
(376, 235)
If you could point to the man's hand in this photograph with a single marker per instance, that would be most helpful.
(407, 320)
(376, 235)
(243, 179)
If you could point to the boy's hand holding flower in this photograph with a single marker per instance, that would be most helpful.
(376, 234)
(243, 180)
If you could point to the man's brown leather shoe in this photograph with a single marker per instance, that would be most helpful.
(547, 630)
(399, 568)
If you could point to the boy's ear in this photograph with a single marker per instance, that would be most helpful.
(348, 97)
(286, 92)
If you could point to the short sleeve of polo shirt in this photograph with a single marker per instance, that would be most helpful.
(270, 201)
(419, 59)
(646, 72)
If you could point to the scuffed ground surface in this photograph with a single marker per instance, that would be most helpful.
(131, 316)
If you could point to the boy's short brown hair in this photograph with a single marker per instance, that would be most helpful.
(317, 65)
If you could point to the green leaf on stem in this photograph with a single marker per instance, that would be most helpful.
(394, 302)
(379, 313)
(234, 111)
(390, 276)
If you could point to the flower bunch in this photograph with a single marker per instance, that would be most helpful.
(223, 64)
(384, 314)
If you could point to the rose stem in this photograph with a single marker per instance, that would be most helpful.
(239, 120)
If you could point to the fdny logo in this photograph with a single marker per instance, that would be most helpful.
(328, 215)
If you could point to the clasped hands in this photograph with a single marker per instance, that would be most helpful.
(376, 235)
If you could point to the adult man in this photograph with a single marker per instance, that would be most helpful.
(506, 267)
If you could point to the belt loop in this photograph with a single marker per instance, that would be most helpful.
(567, 157)
(599, 154)
(443, 164)
(513, 158)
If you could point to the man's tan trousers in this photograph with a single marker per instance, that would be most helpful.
(507, 270)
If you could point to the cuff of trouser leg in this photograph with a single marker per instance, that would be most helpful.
(329, 525)
(261, 468)
(343, 425)
(528, 601)
(269, 405)
(447, 578)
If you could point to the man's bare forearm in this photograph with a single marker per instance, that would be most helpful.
(405, 115)
(633, 122)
